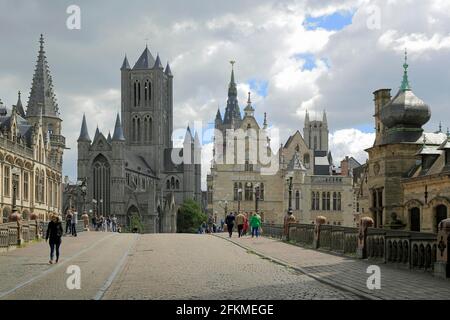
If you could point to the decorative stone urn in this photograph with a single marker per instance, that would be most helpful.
(85, 218)
(320, 220)
(364, 224)
(15, 216)
(442, 264)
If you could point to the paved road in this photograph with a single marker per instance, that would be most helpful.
(120, 266)
(348, 273)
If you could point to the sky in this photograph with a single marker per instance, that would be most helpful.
(292, 55)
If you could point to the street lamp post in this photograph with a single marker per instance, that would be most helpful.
(83, 188)
(289, 180)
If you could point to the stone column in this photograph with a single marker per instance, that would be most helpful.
(442, 264)
(320, 220)
(364, 224)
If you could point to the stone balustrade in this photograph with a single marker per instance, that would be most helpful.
(13, 234)
(404, 249)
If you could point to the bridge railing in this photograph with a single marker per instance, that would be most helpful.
(14, 234)
(407, 249)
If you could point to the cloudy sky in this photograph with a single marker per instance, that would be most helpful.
(293, 56)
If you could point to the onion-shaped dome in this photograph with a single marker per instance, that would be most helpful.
(405, 109)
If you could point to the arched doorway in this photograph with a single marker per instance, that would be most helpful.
(26, 215)
(414, 216)
(441, 214)
(134, 223)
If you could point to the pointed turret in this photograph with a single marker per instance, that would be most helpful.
(19, 106)
(158, 64)
(249, 110)
(197, 144)
(84, 135)
(42, 88)
(118, 131)
(306, 118)
(324, 118)
(145, 61)
(125, 64)
(168, 71)
(265, 121)
(188, 139)
(97, 133)
(405, 81)
(109, 139)
(218, 120)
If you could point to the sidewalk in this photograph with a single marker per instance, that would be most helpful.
(347, 273)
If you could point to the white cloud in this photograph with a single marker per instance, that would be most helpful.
(350, 142)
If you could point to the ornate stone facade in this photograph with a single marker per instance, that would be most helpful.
(405, 184)
(241, 174)
(31, 150)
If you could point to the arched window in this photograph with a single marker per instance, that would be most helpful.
(135, 96)
(177, 184)
(306, 160)
(138, 130)
(146, 91)
(339, 201)
(441, 214)
(328, 201)
(324, 201)
(313, 201)
(235, 191)
(249, 191)
(317, 200)
(415, 219)
(172, 183)
(334, 201)
(297, 200)
(168, 185)
(139, 94)
(101, 174)
(315, 143)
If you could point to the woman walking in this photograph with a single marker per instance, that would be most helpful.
(229, 221)
(54, 234)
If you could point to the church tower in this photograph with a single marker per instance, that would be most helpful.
(316, 133)
(147, 107)
(42, 105)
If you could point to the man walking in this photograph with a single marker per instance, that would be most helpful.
(255, 223)
(74, 222)
(240, 221)
(69, 221)
(114, 223)
(229, 221)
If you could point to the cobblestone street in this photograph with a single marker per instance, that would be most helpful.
(120, 266)
(348, 273)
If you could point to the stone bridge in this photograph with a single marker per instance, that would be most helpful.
(103, 265)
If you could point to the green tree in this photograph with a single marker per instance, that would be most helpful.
(135, 224)
(190, 217)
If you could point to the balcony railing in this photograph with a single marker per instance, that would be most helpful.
(407, 249)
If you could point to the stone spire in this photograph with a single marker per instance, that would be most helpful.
(42, 88)
(19, 106)
(405, 82)
(232, 111)
(84, 135)
(145, 61)
(188, 139)
(109, 139)
(118, 131)
(125, 64)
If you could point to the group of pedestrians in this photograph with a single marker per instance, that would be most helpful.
(107, 224)
(71, 222)
(243, 223)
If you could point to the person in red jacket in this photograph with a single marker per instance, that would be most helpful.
(244, 231)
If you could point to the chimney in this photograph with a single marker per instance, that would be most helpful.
(381, 98)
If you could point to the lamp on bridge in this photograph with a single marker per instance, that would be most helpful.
(15, 215)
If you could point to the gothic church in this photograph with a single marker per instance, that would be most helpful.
(132, 173)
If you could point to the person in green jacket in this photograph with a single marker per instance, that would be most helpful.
(255, 223)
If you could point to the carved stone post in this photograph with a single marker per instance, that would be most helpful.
(442, 264)
(320, 220)
(364, 224)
